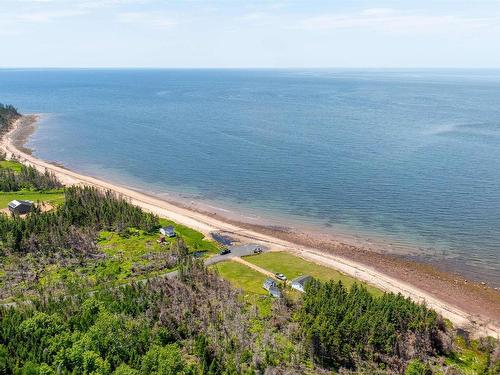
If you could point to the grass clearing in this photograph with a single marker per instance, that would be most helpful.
(469, 359)
(53, 197)
(134, 246)
(292, 266)
(195, 240)
(250, 281)
(241, 276)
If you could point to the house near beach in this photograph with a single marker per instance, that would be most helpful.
(272, 288)
(168, 231)
(300, 282)
(20, 207)
(275, 292)
(268, 284)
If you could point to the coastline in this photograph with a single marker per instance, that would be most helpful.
(21, 134)
(470, 305)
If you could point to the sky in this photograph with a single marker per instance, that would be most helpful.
(243, 34)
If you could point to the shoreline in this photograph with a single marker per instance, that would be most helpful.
(468, 305)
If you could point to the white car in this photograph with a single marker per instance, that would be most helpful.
(280, 276)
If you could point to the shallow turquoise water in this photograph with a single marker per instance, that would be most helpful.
(409, 156)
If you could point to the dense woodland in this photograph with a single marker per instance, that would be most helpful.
(345, 327)
(193, 322)
(199, 324)
(8, 114)
(27, 178)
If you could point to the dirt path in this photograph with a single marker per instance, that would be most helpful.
(254, 267)
(206, 224)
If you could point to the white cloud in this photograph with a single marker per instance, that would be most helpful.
(147, 18)
(391, 20)
(47, 16)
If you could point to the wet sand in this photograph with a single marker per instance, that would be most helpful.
(22, 131)
(473, 306)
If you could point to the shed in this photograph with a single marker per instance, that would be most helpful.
(168, 231)
(20, 207)
(300, 282)
(268, 284)
(275, 291)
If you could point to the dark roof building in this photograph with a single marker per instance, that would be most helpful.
(20, 207)
(268, 284)
(300, 282)
(168, 231)
(275, 291)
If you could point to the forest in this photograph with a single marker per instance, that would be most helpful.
(27, 178)
(8, 114)
(198, 323)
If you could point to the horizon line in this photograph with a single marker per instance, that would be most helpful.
(244, 68)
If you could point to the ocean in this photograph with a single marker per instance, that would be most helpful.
(404, 160)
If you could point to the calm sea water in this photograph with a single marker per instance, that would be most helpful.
(409, 157)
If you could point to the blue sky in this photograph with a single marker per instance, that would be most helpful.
(309, 33)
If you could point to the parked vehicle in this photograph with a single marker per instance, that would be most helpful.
(257, 250)
(225, 251)
(280, 276)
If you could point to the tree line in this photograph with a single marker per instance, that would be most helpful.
(347, 327)
(8, 114)
(74, 225)
(27, 178)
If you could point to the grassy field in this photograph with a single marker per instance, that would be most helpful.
(124, 252)
(13, 165)
(468, 358)
(292, 266)
(193, 239)
(241, 276)
(54, 197)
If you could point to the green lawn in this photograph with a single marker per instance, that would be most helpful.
(54, 197)
(292, 266)
(8, 164)
(193, 239)
(241, 276)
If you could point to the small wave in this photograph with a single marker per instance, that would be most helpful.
(473, 129)
(163, 93)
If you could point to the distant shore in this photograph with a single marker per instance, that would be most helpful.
(470, 305)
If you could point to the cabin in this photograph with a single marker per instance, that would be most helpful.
(268, 284)
(300, 282)
(20, 207)
(168, 231)
(275, 292)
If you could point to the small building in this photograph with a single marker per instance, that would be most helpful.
(275, 292)
(168, 231)
(268, 284)
(300, 282)
(20, 207)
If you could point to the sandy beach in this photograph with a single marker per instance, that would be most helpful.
(470, 305)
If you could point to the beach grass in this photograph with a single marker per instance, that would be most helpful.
(242, 277)
(53, 197)
(292, 266)
(12, 165)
